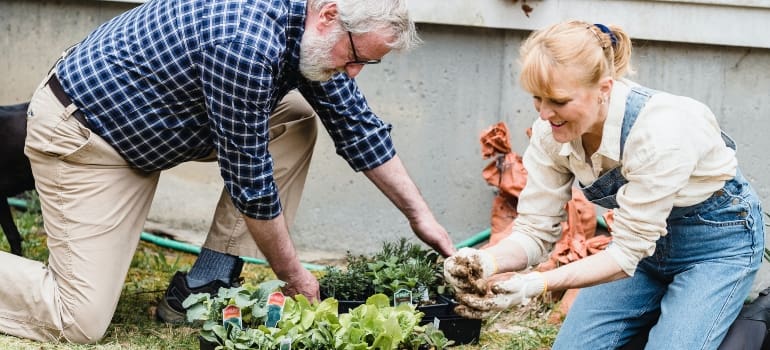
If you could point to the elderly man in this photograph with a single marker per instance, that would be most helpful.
(173, 81)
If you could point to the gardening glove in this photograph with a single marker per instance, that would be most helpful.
(509, 290)
(468, 269)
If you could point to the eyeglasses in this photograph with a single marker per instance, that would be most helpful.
(355, 55)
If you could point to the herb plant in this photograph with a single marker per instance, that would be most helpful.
(351, 283)
(398, 265)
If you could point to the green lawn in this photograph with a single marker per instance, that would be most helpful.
(134, 325)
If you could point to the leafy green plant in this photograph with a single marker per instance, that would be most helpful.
(251, 301)
(306, 325)
(403, 265)
(435, 338)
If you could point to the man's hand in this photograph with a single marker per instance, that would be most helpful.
(468, 269)
(393, 180)
(433, 234)
(302, 283)
(506, 290)
(272, 237)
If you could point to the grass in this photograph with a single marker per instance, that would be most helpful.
(135, 327)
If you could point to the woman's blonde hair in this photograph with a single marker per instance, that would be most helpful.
(581, 47)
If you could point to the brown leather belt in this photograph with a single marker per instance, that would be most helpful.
(58, 91)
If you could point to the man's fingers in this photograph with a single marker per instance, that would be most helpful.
(304, 283)
(449, 251)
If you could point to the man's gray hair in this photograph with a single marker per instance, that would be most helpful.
(364, 16)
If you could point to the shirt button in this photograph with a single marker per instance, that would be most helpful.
(736, 201)
(744, 214)
(719, 193)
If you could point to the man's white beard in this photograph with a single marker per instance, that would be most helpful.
(315, 55)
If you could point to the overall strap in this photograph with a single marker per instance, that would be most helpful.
(729, 142)
(634, 103)
(603, 190)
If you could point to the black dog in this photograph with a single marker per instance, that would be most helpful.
(16, 176)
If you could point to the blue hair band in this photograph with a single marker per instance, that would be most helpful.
(605, 30)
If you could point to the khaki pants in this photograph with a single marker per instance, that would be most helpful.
(94, 207)
(293, 133)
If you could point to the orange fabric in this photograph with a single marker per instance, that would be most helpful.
(507, 173)
(557, 316)
(494, 140)
(503, 213)
(578, 238)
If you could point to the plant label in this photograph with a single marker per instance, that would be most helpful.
(402, 296)
(285, 344)
(423, 291)
(232, 314)
(274, 309)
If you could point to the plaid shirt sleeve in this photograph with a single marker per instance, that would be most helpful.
(359, 136)
(237, 83)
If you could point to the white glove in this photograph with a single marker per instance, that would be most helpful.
(468, 269)
(516, 290)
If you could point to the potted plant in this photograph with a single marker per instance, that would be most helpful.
(406, 273)
(305, 325)
(396, 267)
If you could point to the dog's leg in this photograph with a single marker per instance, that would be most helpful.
(9, 227)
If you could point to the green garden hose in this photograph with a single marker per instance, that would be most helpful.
(193, 249)
(478, 238)
(177, 245)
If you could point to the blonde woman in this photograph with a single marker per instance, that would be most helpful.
(688, 231)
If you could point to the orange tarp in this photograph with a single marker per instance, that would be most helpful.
(507, 173)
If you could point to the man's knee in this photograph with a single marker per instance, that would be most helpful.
(86, 331)
(87, 322)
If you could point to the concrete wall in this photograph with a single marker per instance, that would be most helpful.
(439, 98)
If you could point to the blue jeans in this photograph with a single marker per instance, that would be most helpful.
(693, 286)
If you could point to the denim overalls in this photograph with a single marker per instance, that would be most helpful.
(694, 284)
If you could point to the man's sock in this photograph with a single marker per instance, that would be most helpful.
(212, 265)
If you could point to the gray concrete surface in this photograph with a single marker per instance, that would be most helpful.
(439, 98)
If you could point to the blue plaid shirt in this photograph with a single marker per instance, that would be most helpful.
(172, 80)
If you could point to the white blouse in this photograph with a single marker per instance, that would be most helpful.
(674, 157)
